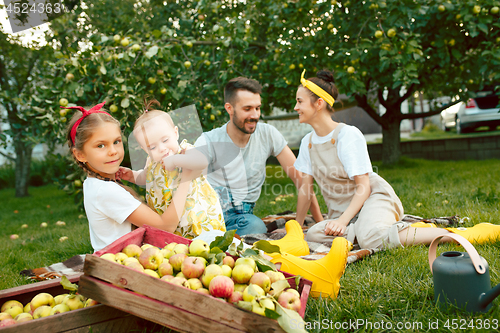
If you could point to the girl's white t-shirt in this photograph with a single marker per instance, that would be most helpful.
(351, 150)
(107, 205)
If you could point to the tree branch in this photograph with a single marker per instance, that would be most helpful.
(363, 103)
(428, 113)
(8, 156)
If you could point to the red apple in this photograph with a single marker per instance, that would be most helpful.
(289, 300)
(262, 280)
(228, 260)
(176, 260)
(221, 286)
(192, 267)
(204, 291)
(165, 269)
(235, 297)
(167, 278)
(151, 258)
(210, 272)
(7, 322)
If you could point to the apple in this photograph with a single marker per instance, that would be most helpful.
(262, 280)
(14, 311)
(221, 286)
(163, 91)
(257, 308)
(252, 291)
(199, 248)
(207, 62)
(476, 9)
(170, 246)
(291, 67)
(242, 273)
(125, 42)
(27, 307)
(24, 226)
(90, 302)
(151, 80)
(289, 300)
(267, 303)
(63, 102)
(180, 275)
(187, 64)
(494, 10)
(109, 256)
(136, 47)
(120, 257)
(70, 76)
(441, 8)
(240, 287)
(166, 253)
(274, 276)
(132, 250)
(14, 236)
(42, 311)
(226, 270)
(451, 42)
(194, 284)
(192, 267)
(212, 117)
(151, 258)
(167, 278)
(42, 299)
(210, 272)
(61, 223)
(228, 260)
(43, 225)
(165, 269)
(5, 315)
(152, 273)
(7, 322)
(281, 276)
(201, 17)
(74, 302)
(180, 281)
(117, 38)
(181, 248)
(255, 67)
(176, 260)
(246, 261)
(293, 291)
(59, 298)
(113, 108)
(59, 308)
(204, 291)
(378, 34)
(63, 119)
(350, 70)
(329, 26)
(77, 182)
(160, 72)
(130, 260)
(391, 32)
(22, 317)
(235, 297)
(146, 246)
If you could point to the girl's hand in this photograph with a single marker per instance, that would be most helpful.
(335, 228)
(168, 163)
(125, 174)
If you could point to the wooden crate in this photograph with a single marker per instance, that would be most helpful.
(99, 318)
(170, 305)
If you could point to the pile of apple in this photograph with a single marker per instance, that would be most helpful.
(238, 282)
(42, 305)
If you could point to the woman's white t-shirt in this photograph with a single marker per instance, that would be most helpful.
(351, 150)
(107, 206)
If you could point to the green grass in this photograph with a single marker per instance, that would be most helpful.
(393, 286)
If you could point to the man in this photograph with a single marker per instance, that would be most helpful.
(237, 154)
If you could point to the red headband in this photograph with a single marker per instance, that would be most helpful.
(94, 109)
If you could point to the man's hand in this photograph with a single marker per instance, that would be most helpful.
(335, 228)
(125, 174)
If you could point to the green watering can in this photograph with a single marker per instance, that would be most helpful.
(461, 278)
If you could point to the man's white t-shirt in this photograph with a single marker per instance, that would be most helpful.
(242, 170)
(351, 150)
(107, 206)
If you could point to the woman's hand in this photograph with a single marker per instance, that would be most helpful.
(125, 174)
(335, 228)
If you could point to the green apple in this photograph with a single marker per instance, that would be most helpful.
(136, 47)
(166, 253)
(267, 303)
(130, 260)
(226, 270)
(292, 66)
(379, 34)
(189, 44)
(242, 273)
(63, 119)
(163, 91)
(78, 183)
(252, 291)
(109, 256)
(152, 80)
(476, 9)
(136, 266)
(42, 299)
(42, 311)
(207, 62)
(494, 10)
(27, 307)
(441, 8)
(240, 287)
(24, 226)
(70, 76)
(199, 248)
(350, 70)
(63, 102)
(391, 32)
(273, 276)
(330, 26)
(212, 117)
(246, 261)
(59, 308)
(113, 108)
(255, 67)
(210, 272)
(187, 64)
(125, 42)
(194, 284)
(160, 72)
(204, 291)
(63, 112)
(117, 38)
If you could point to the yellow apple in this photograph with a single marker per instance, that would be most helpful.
(117, 38)
(70, 76)
(163, 91)
(476, 9)
(187, 64)
(379, 34)
(152, 80)
(441, 8)
(350, 70)
(22, 317)
(113, 108)
(74, 302)
(494, 10)
(63, 102)
(14, 311)
(60, 298)
(109, 256)
(136, 47)
(391, 32)
(42, 311)
(59, 308)
(125, 42)
(42, 299)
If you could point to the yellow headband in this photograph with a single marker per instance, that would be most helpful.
(317, 90)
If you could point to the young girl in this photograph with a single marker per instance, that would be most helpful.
(162, 175)
(95, 141)
(362, 206)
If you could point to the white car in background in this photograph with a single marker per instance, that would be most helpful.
(483, 110)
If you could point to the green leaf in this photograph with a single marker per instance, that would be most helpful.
(280, 285)
(216, 250)
(266, 247)
(483, 27)
(223, 242)
(66, 284)
(103, 70)
(271, 313)
(156, 33)
(153, 50)
(290, 320)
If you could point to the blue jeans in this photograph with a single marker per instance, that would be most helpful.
(242, 219)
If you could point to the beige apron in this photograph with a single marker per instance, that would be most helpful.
(377, 224)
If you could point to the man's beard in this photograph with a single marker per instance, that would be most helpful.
(242, 126)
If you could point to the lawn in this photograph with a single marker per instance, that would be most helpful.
(390, 291)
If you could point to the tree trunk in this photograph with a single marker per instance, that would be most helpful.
(391, 145)
(23, 164)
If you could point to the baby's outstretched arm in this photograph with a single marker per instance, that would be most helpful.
(191, 159)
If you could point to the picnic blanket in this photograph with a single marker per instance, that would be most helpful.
(74, 265)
